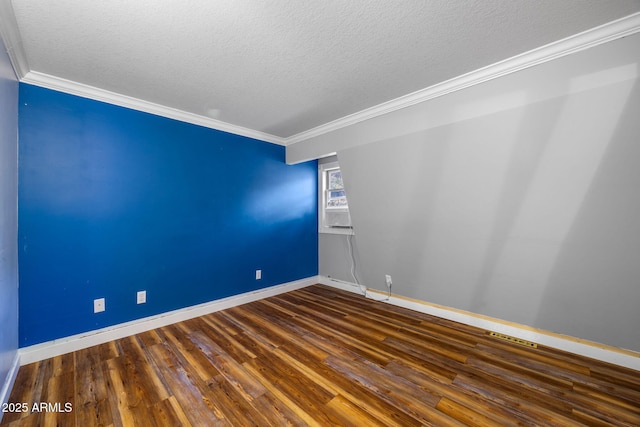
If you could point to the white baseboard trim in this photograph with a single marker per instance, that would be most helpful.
(8, 382)
(621, 357)
(341, 284)
(64, 345)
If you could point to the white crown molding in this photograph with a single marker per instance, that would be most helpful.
(607, 32)
(604, 33)
(86, 91)
(12, 40)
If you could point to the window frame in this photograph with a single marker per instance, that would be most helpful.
(323, 170)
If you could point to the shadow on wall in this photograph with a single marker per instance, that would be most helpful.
(418, 191)
(545, 183)
(501, 215)
(519, 167)
(593, 288)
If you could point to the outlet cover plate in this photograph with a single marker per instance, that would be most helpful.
(99, 305)
(141, 297)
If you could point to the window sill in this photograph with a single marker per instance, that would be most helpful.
(336, 230)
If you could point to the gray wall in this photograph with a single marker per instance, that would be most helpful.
(8, 217)
(516, 199)
(335, 261)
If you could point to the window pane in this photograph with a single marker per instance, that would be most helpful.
(335, 179)
(333, 212)
(336, 199)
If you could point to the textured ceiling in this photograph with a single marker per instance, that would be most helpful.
(286, 66)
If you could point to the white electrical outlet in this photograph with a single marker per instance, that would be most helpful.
(388, 279)
(258, 274)
(141, 297)
(98, 305)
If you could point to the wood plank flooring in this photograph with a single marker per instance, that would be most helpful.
(322, 357)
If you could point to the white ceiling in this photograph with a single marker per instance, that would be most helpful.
(281, 67)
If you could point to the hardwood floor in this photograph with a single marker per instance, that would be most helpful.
(322, 357)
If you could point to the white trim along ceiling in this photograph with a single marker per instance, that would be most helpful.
(287, 71)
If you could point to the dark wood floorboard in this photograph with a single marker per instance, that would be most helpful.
(322, 357)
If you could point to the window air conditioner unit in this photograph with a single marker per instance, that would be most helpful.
(337, 218)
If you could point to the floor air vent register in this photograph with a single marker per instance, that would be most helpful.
(513, 340)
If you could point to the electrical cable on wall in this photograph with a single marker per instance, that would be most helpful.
(363, 289)
(387, 298)
(352, 270)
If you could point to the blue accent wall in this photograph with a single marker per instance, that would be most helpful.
(113, 201)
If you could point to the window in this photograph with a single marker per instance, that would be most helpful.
(334, 208)
(336, 197)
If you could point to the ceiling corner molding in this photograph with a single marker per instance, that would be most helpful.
(12, 40)
(613, 30)
(85, 91)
